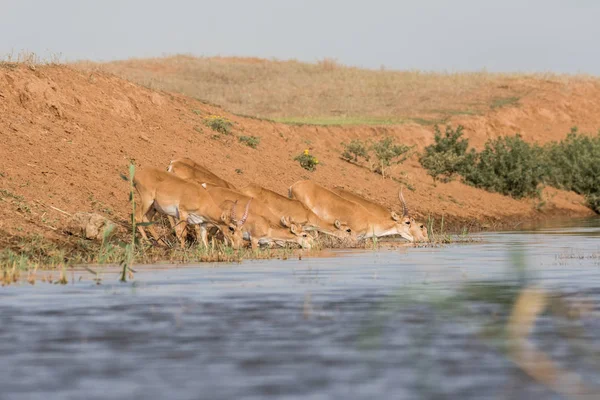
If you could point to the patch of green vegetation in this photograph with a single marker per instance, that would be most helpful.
(367, 120)
(339, 121)
(457, 112)
(515, 168)
(427, 122)
(254, 117)
(439, 235)
(500, 102)
(33, 253)
(448, 155)
(507, 165)
(250, 141)
(11, 260)
(574, 164)
(307, 160)
(510, 166)
(219, 124)
(354, 150)
(388, 153)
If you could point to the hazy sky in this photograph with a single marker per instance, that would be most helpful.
(501, 35)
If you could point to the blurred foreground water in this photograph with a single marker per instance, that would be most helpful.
(514, 316)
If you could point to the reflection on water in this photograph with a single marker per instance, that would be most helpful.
(405, 323)
(555, 225)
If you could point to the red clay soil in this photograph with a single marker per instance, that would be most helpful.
(66, 136)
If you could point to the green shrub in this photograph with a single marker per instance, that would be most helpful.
(219, 124)
(250, 141)
(574, 164)
(510, 166)
(388, 153)
(307, 161)
(354, 150)
(448, 155)
(593, 201)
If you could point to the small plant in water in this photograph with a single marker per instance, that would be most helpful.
(441, 236)
(130, 248)
(307, 161)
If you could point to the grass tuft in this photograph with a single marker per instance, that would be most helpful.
(250, 141)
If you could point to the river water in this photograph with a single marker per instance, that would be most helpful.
(407, 323)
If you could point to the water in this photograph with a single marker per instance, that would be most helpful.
(413, 323)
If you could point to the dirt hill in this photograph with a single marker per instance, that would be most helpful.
(541, 106)
(66, 135)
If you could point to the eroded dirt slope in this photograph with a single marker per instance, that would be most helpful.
(66, 135)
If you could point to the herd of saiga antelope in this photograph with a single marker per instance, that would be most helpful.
(192, 194)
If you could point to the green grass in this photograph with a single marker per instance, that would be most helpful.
(448, 113)
(500, 102)
(369, 121)
(339, 121)
(429, 121)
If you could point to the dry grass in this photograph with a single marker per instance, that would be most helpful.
(326, 92)
(12, 59)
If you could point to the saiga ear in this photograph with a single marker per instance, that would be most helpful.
(395, 216)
